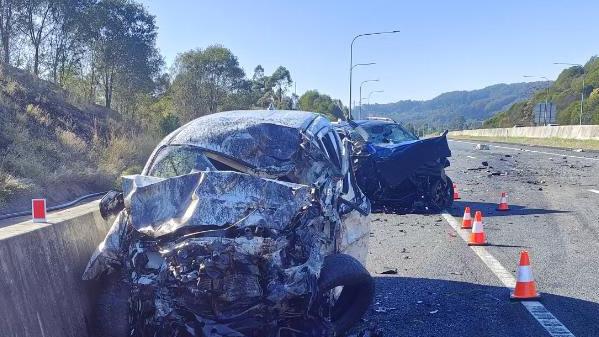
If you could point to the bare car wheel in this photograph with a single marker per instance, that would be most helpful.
(440, 194)
(343, 273)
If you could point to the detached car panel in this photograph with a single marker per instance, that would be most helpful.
(238, 226)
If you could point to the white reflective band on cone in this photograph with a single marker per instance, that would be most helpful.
(477, 227)
(524, 274)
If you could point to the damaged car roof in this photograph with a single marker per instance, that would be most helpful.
(262, 139)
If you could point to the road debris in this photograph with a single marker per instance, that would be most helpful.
(482, 147)
(389, 271)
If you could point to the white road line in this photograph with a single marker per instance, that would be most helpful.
(537, 310)
(594, 191)
(471, 157)
(525, 150)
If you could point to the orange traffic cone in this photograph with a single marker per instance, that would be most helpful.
(503, 206)
(467, 219)
(456, 195)
(526, 287)
(477, 237)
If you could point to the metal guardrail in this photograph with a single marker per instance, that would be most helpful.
(53, 208)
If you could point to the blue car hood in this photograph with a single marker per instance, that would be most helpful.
(396, 162)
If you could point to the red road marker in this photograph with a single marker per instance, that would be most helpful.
(38, 210)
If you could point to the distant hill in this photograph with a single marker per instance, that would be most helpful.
(565, 94)
(456, 109)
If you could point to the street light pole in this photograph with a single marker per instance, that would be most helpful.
(546, 95)
(351, 59)
(360, 114)
(372, 92)
(581, 90)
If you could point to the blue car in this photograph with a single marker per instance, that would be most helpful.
(398, 171)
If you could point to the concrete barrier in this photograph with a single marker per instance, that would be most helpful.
(41, 291)
(579, 132)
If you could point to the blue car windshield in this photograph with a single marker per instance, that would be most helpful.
(387, 134)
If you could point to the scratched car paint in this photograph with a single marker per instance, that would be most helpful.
(232, 230)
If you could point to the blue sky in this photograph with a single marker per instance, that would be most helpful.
(443, 45)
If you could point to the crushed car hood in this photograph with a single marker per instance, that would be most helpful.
(211, 199)
(204, 201)
(396, 162)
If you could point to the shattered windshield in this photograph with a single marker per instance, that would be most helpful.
(387, 133)
(173, 161)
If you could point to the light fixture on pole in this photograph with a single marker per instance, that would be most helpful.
(581, 90)
(351, 59)
(366, 81)
(373, 92)
(546, 94)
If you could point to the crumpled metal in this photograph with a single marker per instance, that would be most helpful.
(227, 253)
(211, 199)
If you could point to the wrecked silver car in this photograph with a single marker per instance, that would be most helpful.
(242, 223)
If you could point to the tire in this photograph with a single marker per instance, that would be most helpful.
(112, 308)
(357, 294)
(449, 192)
(440, 194)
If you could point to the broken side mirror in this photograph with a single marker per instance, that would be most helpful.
(111, 204)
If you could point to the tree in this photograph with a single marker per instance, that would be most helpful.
(278, 83)
(35, 20)
(205, 79)
(458, 123)
(124, 48)
(68, 37)
(313, 101)
(7, 24)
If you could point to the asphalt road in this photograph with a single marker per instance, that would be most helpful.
(443, 288)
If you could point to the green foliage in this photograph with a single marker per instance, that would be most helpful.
(168, 123)
(313, 101)
(77, 54)
(272, 89)
(565, 94)
(518, 114)
(204, 80)
(124, 48)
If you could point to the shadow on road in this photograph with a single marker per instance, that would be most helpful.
(431, 307)
(490, 209)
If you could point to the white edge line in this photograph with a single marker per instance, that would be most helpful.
(594, 191)
(525, 150)
(537, 310)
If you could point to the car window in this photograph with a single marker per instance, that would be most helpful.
(172, 161)
(387, 133)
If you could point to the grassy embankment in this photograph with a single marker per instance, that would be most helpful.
(55, 147)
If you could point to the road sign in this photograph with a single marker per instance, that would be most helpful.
(545, 113)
